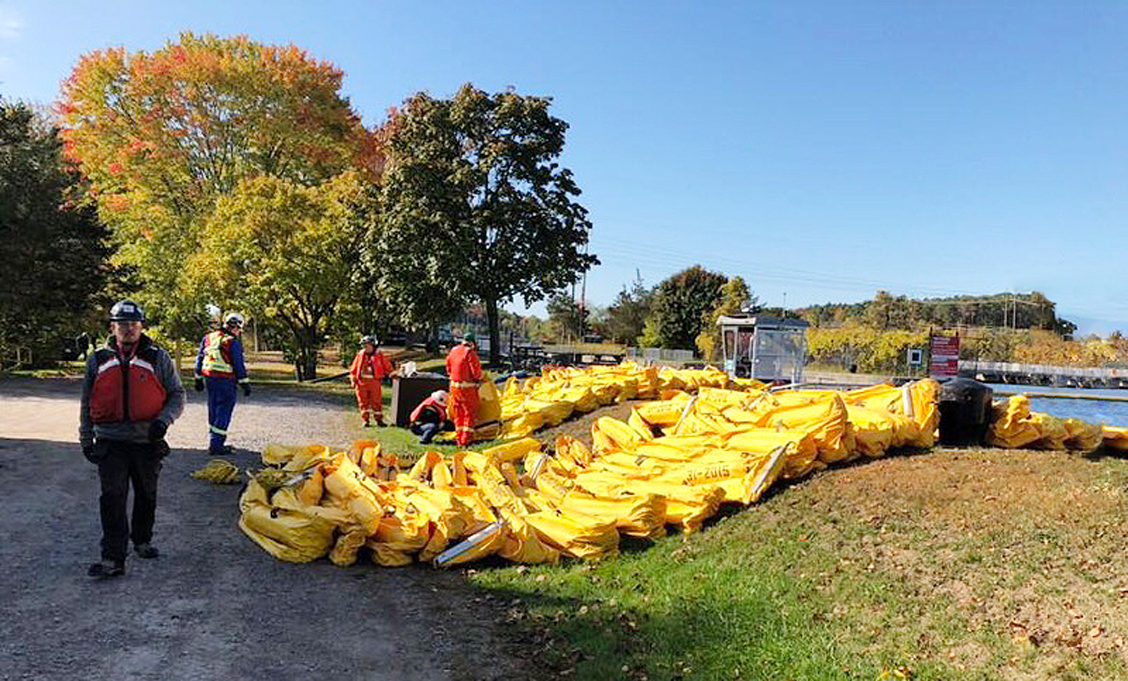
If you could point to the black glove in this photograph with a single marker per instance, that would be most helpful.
(157, 430)
(246, 390)
(199, 383)
(91, 454)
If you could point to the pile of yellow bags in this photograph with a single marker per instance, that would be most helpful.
(558, 393)
(1014, 426)
(446, 511)
(826, 426)
(673, 462)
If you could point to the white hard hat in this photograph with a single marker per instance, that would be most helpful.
(233, 319)
(440, 397)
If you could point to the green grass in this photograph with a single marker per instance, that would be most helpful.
(737, 602)
(808, 586)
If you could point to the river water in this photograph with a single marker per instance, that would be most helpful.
(1106, 412)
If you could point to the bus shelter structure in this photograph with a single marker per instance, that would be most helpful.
(764, 348)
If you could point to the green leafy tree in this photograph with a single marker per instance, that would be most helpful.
(287, 250)
(626, 317)
(53, 251)
(735, 297)
(890, 312)
(476, 207)
(568, 319)
(162, 137)
(681, 304)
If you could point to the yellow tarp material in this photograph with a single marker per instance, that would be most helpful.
(820, 414)
(513, 451)
(1115, 438)
(874, 430)
(558, 393)
(801, 457)
(291, 535)
(675, 460)
(1011, 426)
(636, 515)
(914, 407)
(1014, 426)
(575, 536)
(608, 434)
(1082, 436)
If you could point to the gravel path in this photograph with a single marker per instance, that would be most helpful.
(214, 605)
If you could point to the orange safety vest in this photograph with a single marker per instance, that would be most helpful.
(375, 366)
(126, 388)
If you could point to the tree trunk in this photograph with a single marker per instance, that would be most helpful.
(309, 372)
(495, 331)
(307, 346)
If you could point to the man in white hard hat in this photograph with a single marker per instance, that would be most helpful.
(219, 366)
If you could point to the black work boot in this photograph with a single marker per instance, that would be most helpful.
(146, 550)
(106, 569)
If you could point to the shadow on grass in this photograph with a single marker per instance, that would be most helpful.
(701, 631)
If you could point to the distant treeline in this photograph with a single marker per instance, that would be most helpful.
(887, 312)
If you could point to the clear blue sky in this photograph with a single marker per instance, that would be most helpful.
(821, 150)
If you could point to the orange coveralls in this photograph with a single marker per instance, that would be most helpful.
(465, 371)
(366, 373)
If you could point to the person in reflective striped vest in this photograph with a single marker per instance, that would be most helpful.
(220, 367)
(465, 373)
(366, 374)
(131, 394)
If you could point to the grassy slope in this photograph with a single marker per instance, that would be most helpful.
(949, 565)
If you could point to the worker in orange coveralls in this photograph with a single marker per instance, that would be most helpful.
(465, 372)
(367, 372)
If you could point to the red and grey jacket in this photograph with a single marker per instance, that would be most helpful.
(429, 411)
(122, 394)
(126, 388)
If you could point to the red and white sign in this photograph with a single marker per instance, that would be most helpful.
(944, 361)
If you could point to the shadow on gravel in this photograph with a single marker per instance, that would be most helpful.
(214, 605)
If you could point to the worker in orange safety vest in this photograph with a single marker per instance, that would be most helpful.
(366, 374)
(465, 373)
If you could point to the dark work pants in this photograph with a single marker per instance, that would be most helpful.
(124, 463)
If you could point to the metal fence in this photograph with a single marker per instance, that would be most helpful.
(660, 354)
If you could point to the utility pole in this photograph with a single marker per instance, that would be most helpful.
(583, 299)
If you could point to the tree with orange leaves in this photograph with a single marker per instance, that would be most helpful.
(162, 137)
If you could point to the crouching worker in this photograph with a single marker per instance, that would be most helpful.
(430, 417)
(366, 374)
(131, 394)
